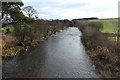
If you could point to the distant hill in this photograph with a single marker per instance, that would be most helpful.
(91, 18)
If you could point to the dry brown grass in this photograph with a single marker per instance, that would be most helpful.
(102, 52)
(106, 60)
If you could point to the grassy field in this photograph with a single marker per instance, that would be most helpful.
(109, 25)
(113, 38)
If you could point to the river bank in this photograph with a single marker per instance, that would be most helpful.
(103, 53)
(12, 46)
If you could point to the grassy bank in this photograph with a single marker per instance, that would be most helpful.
(103, 52)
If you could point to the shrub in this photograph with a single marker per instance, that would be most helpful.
(7, 29)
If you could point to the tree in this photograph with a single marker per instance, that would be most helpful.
(10, 8)
(30, 12)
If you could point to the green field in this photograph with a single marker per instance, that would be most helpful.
(113, 38)
(109, 25)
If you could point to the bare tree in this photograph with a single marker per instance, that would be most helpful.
(30, 12)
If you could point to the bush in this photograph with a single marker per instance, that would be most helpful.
(7, 29)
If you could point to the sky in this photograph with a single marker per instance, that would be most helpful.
(74, 9)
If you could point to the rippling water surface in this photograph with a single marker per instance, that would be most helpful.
(61, 56)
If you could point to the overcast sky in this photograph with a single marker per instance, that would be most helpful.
(70, 9)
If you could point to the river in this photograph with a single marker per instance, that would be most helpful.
(60, 56)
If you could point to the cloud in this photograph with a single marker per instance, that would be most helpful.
(74, 8)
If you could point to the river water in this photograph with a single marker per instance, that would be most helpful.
(61, 56)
